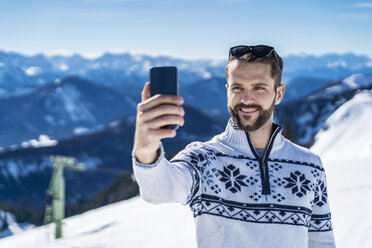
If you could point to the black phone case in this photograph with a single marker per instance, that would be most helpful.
(163, 80)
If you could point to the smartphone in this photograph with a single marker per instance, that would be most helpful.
(163, 80)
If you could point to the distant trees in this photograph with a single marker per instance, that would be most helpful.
(288, 130)
(123, 187)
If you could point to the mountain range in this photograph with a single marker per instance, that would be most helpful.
(19, 73)
(61, 109)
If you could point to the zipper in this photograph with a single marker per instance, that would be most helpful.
(264, 170)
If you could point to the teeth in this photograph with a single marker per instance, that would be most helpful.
(248, 110)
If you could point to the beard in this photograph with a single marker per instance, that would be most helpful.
(263, 117)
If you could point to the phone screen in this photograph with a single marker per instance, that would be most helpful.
(163, 80)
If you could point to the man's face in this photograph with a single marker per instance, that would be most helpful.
(251, 94)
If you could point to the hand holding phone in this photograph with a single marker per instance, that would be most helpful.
(157, 115)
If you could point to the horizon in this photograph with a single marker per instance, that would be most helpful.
(92, 56)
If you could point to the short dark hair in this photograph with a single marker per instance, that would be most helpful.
(276, 74)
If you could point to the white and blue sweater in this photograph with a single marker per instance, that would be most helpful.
(241, 200)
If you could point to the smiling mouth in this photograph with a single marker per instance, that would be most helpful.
(248, 110)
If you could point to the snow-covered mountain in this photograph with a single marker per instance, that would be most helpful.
(328, 66)
(19, 72)
(299, 87)
(29, 85)
(346, 150)
(347, 133)
(307, 115)
(59, 110)
(73, 106)
(115, 70)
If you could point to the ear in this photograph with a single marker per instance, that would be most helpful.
(279, 94)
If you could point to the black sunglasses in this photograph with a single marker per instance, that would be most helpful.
(258, 51)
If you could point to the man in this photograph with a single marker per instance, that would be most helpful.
(248, 186)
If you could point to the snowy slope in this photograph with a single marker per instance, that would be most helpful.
(131, 223)
(348, 133)
(346, 151)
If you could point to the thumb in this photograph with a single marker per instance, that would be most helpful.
(146, 92)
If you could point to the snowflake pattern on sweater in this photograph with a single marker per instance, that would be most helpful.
(296, 187)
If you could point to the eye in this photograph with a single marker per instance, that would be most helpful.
(260, 88)
(236, 88)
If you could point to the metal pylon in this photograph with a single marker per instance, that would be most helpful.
(56, 212)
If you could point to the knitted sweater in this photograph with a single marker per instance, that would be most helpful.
(239, 200)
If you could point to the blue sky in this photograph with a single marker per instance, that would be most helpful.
(187, 29)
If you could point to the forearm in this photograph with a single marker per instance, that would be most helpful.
(162, 181)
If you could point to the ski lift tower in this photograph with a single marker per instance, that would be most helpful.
(56, 211)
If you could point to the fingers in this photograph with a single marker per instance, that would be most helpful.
(162, 133)
(152, 114)
(164, 121)
(159, 100)
(145, 92)
(160, 111)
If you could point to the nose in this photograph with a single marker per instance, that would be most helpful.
(247, 97)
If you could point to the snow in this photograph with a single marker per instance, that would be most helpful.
(96, 66)
(57, 81)
(357, 80)
(12, 169)
(131, 223)
(33, 71)
(146, 66)
(205, 74)
(352, 82)
(341, 141)
(114, 124)
(81, 130)
(16, 169)
(337, 64)
(84, 130)
(63, 67)
(67, 99)
(346, 151)
(43, 141)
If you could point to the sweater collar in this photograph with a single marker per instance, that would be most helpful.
(238, 139)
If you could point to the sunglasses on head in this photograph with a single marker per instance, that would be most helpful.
(259, 51)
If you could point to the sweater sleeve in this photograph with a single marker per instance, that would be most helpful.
(320, 229)
(168, 181)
